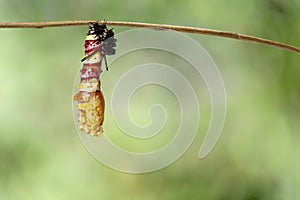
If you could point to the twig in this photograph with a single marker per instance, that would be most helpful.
(185, 29)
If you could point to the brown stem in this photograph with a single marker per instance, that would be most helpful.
(185, 29)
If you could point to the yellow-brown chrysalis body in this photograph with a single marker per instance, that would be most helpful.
(99, 42)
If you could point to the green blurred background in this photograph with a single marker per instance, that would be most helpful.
(41, 156)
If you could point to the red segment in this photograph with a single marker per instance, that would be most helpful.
(90, 71)
(91, 45)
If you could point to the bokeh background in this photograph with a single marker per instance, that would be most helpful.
(257, 156)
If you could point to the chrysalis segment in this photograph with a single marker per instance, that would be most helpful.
(90, 112)
(99, 42)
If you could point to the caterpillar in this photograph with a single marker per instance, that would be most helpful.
(99, 43)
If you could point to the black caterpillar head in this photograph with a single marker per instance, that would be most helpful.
(105, 37)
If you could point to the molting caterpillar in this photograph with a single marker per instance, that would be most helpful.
(99, 42)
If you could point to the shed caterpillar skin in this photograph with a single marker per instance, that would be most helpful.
(99, 42)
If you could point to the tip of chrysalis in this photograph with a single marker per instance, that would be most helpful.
(99, 133)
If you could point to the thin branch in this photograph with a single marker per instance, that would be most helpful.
(185, 29)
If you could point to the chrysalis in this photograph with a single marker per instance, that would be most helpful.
(99, 42)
